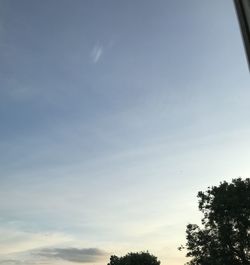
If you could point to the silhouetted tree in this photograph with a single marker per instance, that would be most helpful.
(142, 258)
(224, 238)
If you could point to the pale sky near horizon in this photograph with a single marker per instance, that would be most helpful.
(114, 114)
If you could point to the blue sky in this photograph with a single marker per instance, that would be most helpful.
(114, 114)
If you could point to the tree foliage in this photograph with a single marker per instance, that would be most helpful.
(224, 238)
(142, 258)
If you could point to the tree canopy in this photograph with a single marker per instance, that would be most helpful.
(142, 258)
(224, 237)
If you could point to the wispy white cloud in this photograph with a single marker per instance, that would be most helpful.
(13, 240)
(27, 248)
(96, 53)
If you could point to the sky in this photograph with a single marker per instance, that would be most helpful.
(113, 115)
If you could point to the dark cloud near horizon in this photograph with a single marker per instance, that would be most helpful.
(83, 255)
(9, 262)
(18, 262)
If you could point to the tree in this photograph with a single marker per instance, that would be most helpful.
(224, 238)
(142, 258)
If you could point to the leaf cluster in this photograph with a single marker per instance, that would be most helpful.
(224, 237)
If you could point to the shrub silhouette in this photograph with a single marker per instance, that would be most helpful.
(137, 258)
